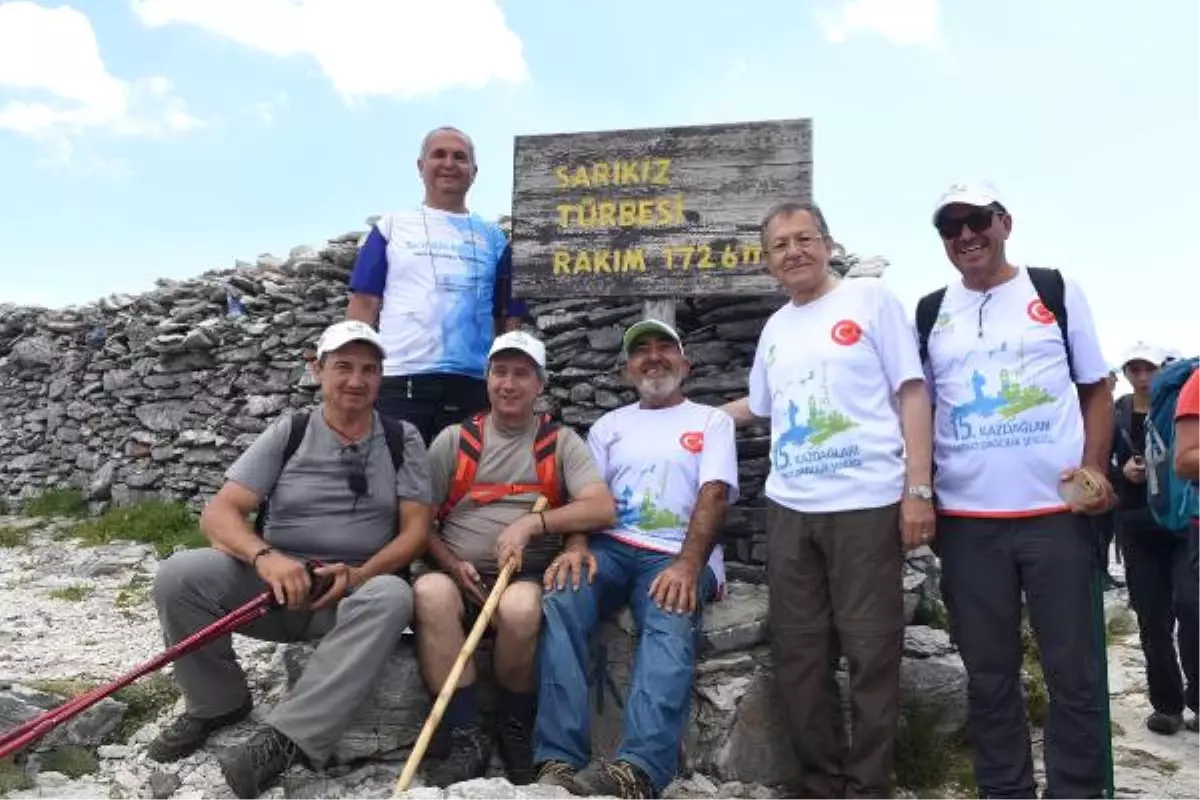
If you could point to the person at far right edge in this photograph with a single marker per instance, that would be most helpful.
(1021, 407)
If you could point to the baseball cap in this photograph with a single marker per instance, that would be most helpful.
(520, 340)
(1143, 352)
(640, 329)
(972, 193)
(340, 334)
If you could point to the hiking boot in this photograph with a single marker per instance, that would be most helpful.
(187, 734)
(255, 766)
(469, 757)
(1165, 724)
(616, 779)
(556, 773)
(515, 738)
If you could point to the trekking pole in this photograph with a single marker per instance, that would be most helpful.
(460, 664)
(35, 728)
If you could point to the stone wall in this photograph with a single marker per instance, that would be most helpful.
(154, 395)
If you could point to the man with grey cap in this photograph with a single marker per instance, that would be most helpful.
(1023, 422)
(345, 487)
(672, 466)
(1157, 566)
(486, 473)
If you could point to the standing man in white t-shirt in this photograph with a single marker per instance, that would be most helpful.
(436, 282)
(672, 466)
(837, 373)
(1022, 403)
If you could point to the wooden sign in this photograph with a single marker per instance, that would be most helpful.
(653, 212)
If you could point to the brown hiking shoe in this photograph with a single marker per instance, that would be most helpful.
(615, 779)
(255, 766)
(187, 734)
(556, 773)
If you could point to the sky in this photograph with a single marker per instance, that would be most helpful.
(145, 139)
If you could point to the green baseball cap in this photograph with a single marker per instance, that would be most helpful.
(640, 329)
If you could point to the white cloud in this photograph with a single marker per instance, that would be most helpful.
(397, 48)
(57, 84)
(903, 22)
(268, 111)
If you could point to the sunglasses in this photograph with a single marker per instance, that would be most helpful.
(978, 221)
(356, 478)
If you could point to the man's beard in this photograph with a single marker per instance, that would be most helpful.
(658, 387)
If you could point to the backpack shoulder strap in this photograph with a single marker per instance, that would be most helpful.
(297, 427)
(545, 459)
(466, 464)
(1052, 290)
(1124, 421)
(393, 434)
(928, 308)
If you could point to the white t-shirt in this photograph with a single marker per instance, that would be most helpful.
(655, 461)
(1007, 420)
(826, 374)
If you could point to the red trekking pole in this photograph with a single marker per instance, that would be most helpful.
(35, 728)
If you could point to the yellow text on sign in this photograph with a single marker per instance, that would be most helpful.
(619, 172)
(597, 261)
(590, 213)
(703, 256)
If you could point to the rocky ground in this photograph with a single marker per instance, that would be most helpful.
(70, 616)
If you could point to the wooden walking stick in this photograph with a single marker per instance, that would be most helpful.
(468, 649)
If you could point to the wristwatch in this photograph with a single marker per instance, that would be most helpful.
(921, 491)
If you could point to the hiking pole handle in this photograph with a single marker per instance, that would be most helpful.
(460, 664)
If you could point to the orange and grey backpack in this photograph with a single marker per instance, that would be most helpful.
(470, 449)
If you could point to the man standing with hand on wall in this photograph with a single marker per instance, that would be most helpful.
(436, 282)
(1023, 412)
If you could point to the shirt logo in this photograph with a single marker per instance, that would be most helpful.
(1038, 312)
(846, 332)
(692, 441)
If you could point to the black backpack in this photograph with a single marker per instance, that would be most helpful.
(1050, 289)
(393, 432)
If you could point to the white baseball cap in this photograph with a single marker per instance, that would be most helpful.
(1143, 352)
(978, 193)
(520, 340)
(340, 334)
(640, 329)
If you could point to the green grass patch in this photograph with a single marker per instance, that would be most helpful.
(13, 537)
(929, 758)
(71, 760)
(135, 592)
(66, 688)
(13, 777)
(71, 594)
(145, 700)
(56, 503)
(164, 525)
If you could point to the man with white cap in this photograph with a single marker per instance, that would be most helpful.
(1023, 421)
(1156, 559)
(672, 465)
(486, 474)
(344, 487)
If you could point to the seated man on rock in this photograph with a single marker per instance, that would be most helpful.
(486, 474)
(347, 488)
(672, 465)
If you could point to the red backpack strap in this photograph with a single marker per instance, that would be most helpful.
(545, 460)
(470, 448)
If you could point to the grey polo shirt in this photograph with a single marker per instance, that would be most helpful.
(314, 513)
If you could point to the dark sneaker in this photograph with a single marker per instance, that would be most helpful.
(187, 734)
(255, 766)
(616, 779)
(515, 738)
(469, 756)
(1165, 724)
(556, 773)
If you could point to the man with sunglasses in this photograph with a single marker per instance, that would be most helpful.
(486, 473)
(340, 500)
(1023, 422)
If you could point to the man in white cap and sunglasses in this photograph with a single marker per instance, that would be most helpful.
(347, 488)
(1022, 425)
(486, 474)
(672, 465)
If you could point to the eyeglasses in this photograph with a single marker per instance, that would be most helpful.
(978, 221)
(806, 243)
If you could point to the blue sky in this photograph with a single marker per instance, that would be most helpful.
(161, 138)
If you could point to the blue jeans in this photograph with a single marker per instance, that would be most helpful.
(660, 689)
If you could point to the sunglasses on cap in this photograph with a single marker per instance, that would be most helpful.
(978, 221)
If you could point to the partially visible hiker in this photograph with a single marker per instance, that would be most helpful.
(1023, 408)
(486, 474)
(346, 487)
(843, 501)
(1187, 460)
(1156, 559)
(672, 465)
(436, 282)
